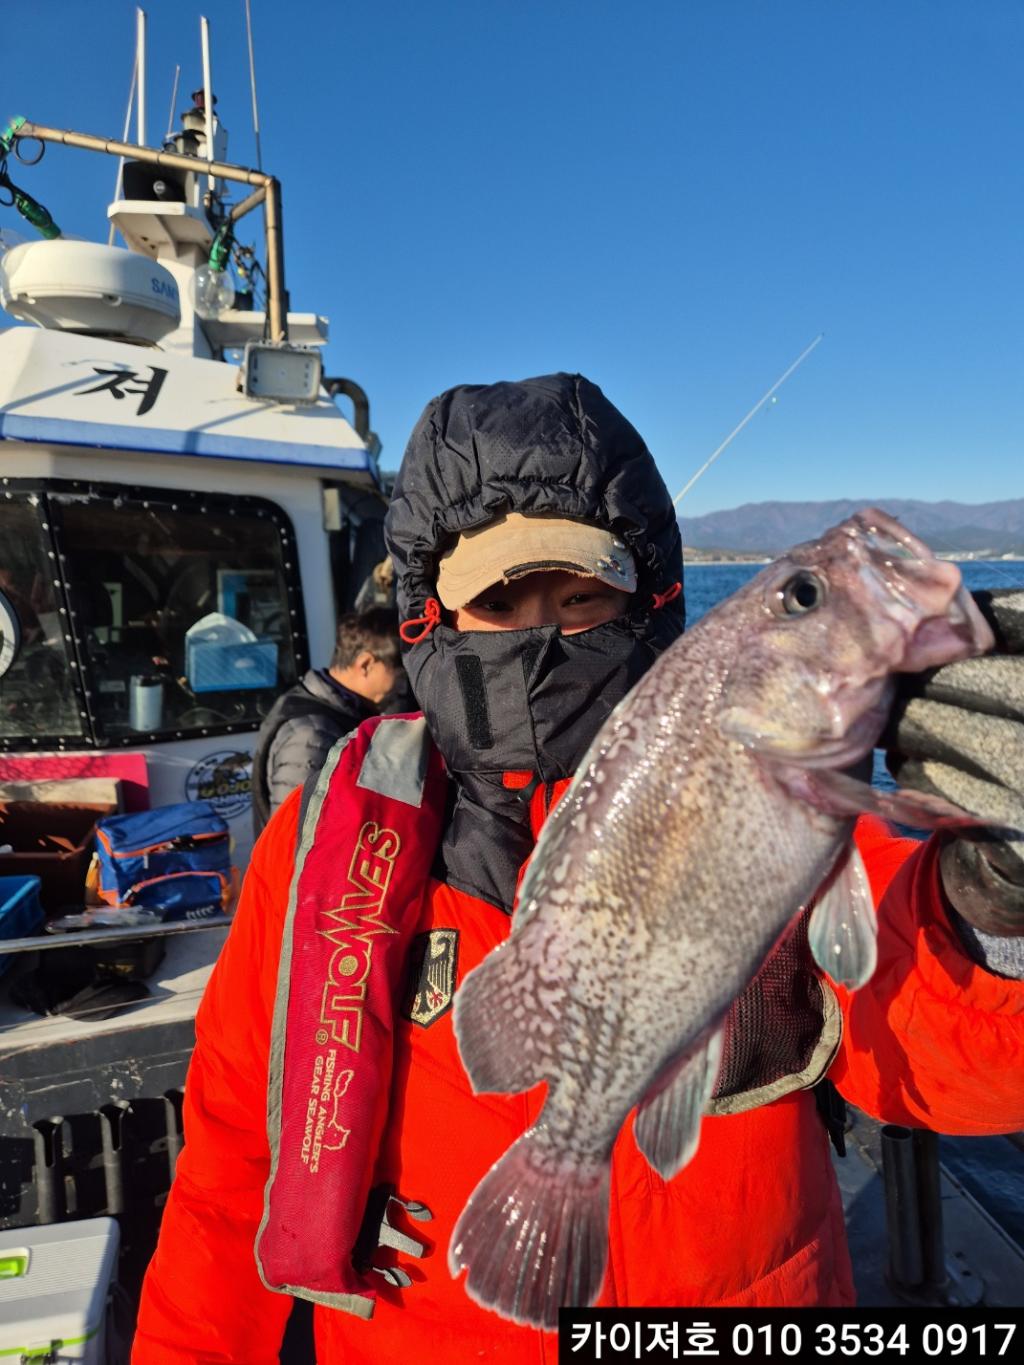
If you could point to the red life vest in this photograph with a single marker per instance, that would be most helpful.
(361, 869)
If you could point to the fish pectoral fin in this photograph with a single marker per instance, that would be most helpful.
(843, 927)
(667, 1125)
(837, 793)
(495, 1026)
(752, 729)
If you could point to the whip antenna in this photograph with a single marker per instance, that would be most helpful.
(753, 411)
(252, 85)
(174, 101)
(124, 138)
(140, 67)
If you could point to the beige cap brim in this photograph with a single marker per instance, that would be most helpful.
(516, 545)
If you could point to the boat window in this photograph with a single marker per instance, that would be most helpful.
(186, 609)
(38, 697)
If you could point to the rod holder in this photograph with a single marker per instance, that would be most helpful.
(918, 1270)
(902, 1211)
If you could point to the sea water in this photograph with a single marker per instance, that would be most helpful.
(707, 584)
(990, 1168)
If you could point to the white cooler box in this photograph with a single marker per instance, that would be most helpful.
(54, 1285)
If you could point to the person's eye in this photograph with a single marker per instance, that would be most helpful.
(495, 605)
(583, 599)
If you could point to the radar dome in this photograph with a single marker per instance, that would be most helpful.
(90, 288)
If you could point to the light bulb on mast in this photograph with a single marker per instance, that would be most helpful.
(213, 289)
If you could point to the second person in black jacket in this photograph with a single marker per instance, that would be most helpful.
(306, 722)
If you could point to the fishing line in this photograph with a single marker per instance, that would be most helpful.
(753, 411)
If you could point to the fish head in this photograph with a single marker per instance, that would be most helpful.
(825, 628)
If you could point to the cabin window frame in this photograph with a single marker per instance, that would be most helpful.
(178, 501)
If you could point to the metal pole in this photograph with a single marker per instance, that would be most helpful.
(172, 1121)
(204, 33)
(902, 1213)
(111, 1118)
(277, 299)
(253, 201)
(127, 129)
(252, 84)
(48, 1143)
(224, 170)
(929, 1202)
(174, 100)
(140, 58)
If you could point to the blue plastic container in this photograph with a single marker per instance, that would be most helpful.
(212, 667)
(21, 913)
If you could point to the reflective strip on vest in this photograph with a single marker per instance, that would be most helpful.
(396, 761)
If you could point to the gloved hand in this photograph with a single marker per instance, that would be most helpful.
(958, 732)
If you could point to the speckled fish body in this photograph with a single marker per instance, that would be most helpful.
(710, 808)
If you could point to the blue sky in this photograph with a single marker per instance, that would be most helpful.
(671, 196)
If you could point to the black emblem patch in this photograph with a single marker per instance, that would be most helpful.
(432, 965)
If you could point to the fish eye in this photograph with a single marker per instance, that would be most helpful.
(800, 594)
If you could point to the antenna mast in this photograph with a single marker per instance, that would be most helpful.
(252, 85)
(204, 37)
(140, 61)
(174, 100)
(124, 138)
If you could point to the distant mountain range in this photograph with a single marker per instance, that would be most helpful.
(949, 528)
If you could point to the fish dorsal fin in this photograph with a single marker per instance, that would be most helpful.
(667, 1126)
(843, 928)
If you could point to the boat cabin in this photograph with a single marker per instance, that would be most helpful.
(185, 510)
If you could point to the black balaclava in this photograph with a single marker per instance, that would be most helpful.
(524, 700)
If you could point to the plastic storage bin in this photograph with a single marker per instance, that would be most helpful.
(21, 912)
(55, 1282)
(230, 667)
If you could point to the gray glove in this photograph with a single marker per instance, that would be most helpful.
(958, 732)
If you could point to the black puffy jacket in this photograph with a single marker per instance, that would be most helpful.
(296, 736)
(524, 700)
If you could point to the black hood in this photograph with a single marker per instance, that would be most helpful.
(551, 445)
(524, 700)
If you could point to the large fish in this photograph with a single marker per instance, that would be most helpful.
(711, 807)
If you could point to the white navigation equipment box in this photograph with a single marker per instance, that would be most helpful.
(54, 1284)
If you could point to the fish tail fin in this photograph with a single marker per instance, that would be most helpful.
(534, 1234)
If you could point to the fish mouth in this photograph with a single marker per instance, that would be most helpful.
(933, 620)
(924, 596)
(914, 614)
(907, 611)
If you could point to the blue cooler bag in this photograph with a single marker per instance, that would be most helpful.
(175, 860)
(21, 913)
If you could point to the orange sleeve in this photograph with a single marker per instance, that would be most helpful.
(202, 1300)
(933, 1040)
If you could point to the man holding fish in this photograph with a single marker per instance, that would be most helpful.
(608, 1095)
